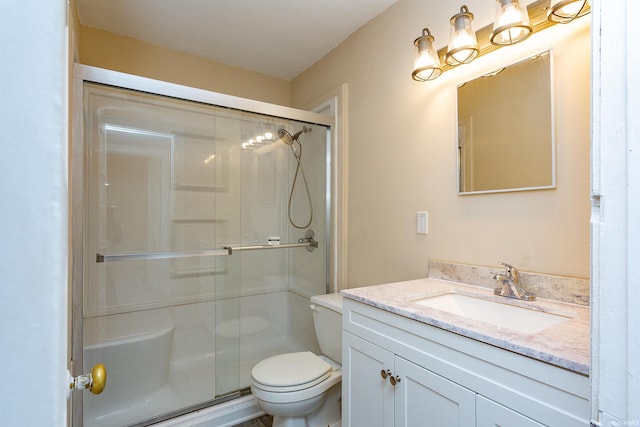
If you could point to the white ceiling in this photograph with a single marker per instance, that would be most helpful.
(280, 38)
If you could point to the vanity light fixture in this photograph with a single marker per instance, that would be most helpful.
(427, 63)
(565, 11)
(463, 44)
(512, 23)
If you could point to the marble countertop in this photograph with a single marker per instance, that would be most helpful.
(566, 344)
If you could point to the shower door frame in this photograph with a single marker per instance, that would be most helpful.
(84, 73)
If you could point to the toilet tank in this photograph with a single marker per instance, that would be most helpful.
(327, 320)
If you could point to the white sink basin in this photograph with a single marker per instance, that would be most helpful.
(501, 314)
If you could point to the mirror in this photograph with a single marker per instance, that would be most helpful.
(505, 129)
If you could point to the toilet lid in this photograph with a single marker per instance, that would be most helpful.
(291, 369)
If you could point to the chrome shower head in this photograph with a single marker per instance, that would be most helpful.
(287, 138)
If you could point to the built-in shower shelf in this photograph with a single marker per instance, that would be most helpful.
(201, 188)
(197, 272)
(198, 221)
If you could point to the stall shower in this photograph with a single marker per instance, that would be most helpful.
(198, 238)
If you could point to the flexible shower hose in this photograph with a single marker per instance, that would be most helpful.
(297, 153)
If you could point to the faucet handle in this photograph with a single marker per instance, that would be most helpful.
(511, 271)
(497, 276)
(505, 265)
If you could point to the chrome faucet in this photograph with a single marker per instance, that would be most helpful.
(510, 284)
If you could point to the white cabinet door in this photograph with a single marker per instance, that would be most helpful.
(428, 400)
(492, 414)
(367, 397)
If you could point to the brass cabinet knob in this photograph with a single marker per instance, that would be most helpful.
(394, 380)
(98, 379)
(384, 374)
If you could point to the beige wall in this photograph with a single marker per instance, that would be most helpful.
(106, 50)
(402, 154)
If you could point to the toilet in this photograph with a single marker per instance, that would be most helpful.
(303, 389)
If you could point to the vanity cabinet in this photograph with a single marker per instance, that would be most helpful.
(401, 372)
(387, 390)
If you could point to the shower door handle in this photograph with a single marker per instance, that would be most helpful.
(308, 241)
(142, 256)
(95, 381)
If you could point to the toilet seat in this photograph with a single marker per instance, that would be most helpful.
(290, 372)
(303, 393)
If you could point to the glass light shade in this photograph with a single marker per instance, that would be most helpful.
(512, 23)
(427, 63)
(565, 11)
(463, 44)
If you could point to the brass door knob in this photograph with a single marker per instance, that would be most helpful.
(95, 381)
(384, 374)
(98, 379)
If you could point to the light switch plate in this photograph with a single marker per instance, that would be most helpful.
(422, 222)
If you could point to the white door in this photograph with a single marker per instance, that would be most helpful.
(367, 395)
(33, 218)
(429, 400)
(615, 221)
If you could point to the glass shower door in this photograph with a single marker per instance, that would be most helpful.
(160, 178)
(275, 284)
(195, 265)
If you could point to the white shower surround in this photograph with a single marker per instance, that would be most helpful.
(266, 307)
(146, 386)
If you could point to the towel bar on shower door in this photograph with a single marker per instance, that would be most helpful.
(307, 241)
